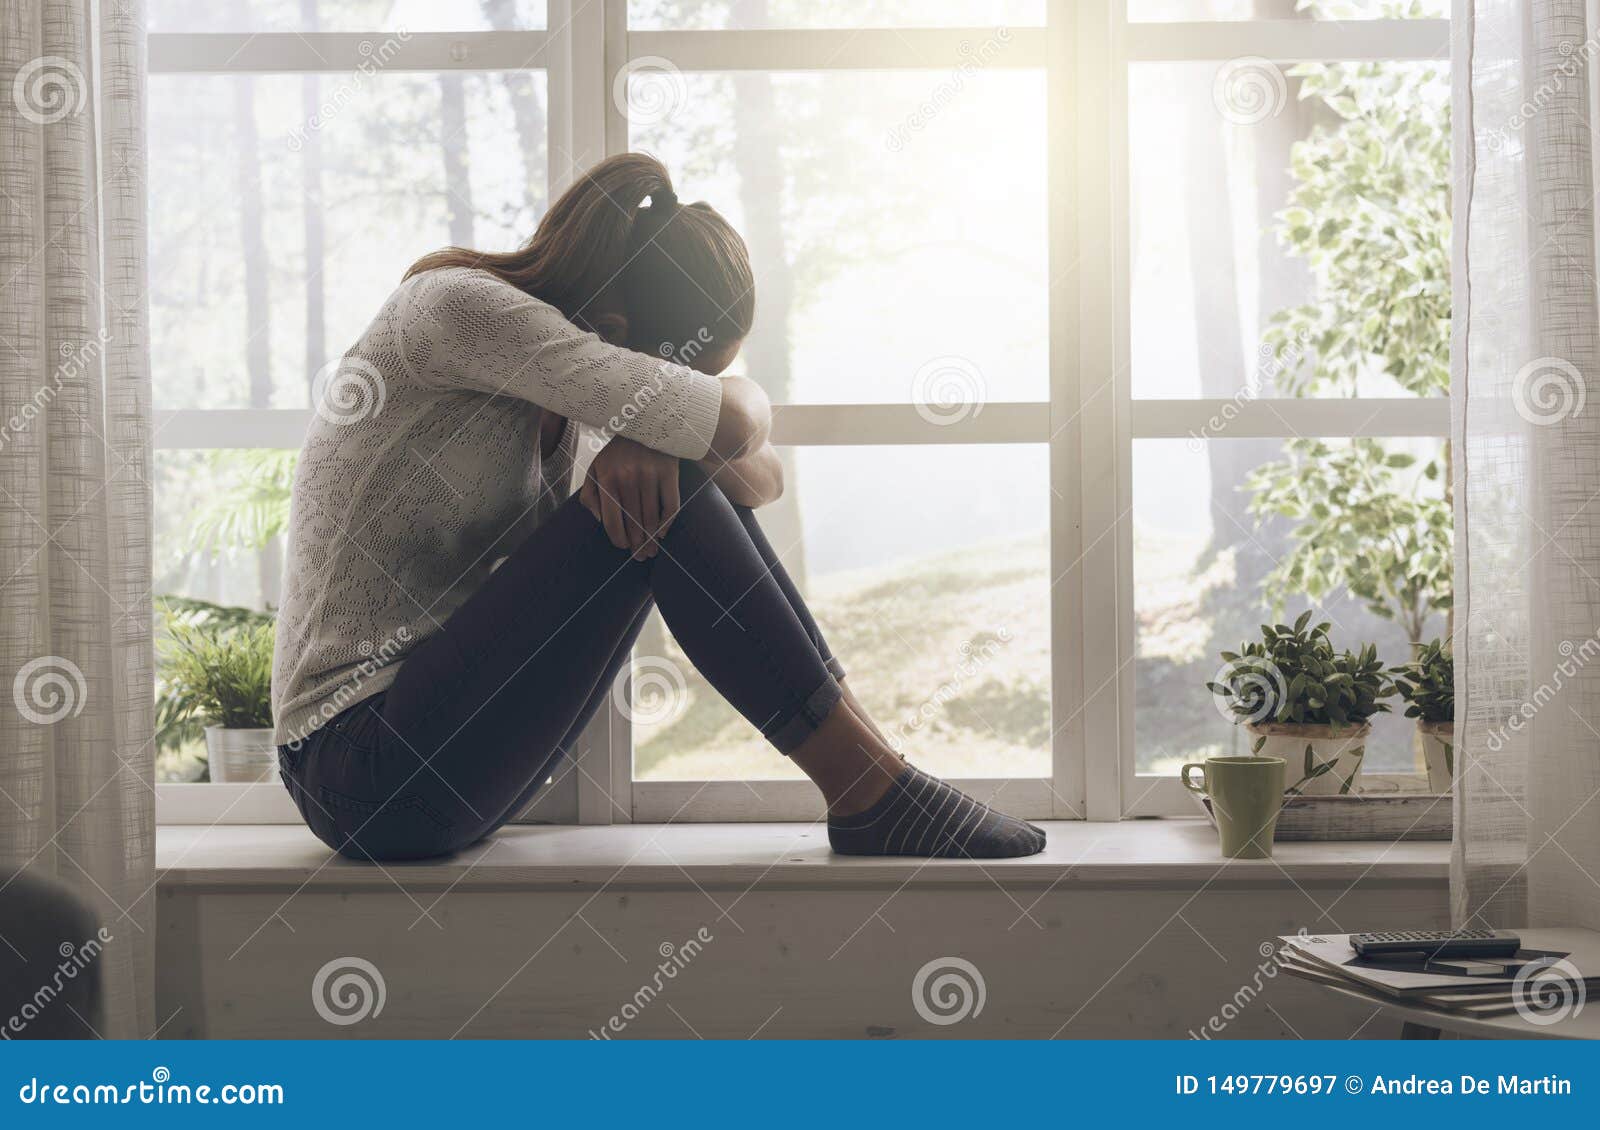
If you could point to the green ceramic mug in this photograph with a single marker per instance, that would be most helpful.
(1246, 796)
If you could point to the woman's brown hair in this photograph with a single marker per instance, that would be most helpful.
(682, 272)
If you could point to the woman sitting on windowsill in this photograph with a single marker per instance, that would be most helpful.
(423, 695)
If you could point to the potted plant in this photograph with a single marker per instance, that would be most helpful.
(1302, 701)
(1428, 685)
(221, 675)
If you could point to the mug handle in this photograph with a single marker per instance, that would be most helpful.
(1183, 775)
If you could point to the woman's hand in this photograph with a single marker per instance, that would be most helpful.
(633, 492)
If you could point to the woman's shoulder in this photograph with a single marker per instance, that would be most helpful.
(466, 285)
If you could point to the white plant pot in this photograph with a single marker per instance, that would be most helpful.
(1439, 754)
(241, 756)
(1323, 760)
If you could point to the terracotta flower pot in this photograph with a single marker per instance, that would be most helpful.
(1323, 760)
(1439, 754)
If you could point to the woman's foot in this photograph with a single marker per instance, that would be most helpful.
(921, 815)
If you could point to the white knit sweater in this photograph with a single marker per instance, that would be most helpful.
(422, 468)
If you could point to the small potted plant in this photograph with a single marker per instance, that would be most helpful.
(1302, 701)
(221, 676)
(1428, 686)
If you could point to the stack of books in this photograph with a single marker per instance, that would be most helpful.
(1551, 976)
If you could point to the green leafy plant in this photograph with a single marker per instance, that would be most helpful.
(1294, 676)
(1369, 215)
(215, 673)
(1428, 683)
(1362, 523)
(250, 506)
(176, 725)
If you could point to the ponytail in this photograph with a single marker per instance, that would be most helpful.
(682, 271)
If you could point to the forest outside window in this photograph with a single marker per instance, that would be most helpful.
(1101, 332)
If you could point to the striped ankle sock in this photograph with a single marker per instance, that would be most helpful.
(921, 815)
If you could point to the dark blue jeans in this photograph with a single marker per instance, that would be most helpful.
(482, 711)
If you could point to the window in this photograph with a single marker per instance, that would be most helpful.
(1016, 263)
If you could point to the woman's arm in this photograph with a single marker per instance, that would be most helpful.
(751, 480)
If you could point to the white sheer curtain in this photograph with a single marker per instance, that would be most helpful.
(76, 759)
(1527, 442)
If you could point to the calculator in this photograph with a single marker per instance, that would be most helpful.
(1432, 944)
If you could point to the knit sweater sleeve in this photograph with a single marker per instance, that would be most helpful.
(466, 330)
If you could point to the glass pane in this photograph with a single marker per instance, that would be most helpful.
(1161, 11)
(285, 208)
(1315, 194)
(218, 517)
(1206, 575)
(898, 234)
(657, 15)
(345, 15)
(930, 586)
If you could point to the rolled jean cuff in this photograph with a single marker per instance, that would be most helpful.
(787, 734)
(835, 668)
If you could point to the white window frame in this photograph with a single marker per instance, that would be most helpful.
(1089, 422)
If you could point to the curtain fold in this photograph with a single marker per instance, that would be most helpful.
(77, 797)
(1526, 356)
